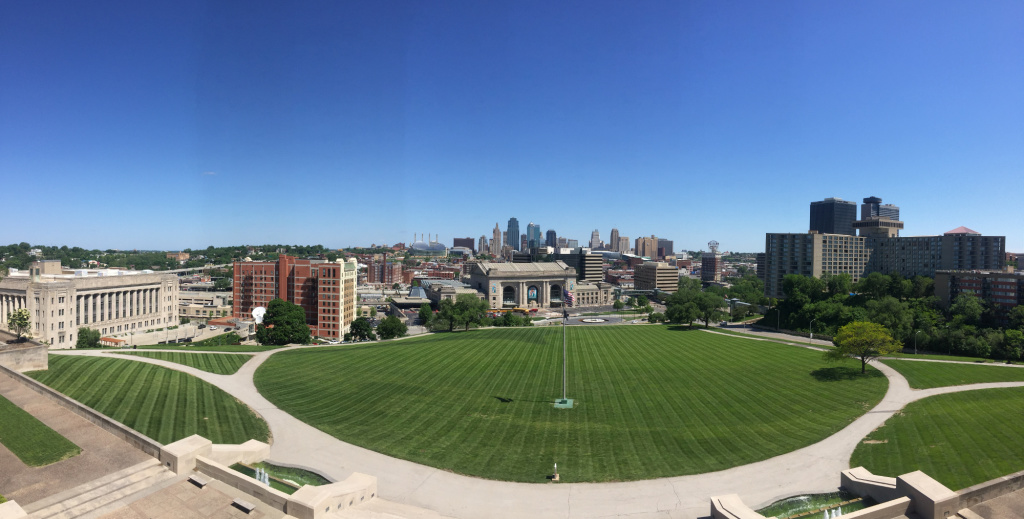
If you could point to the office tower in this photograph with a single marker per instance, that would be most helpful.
(504, 239)
(613, 240)
(647, 247)
(562, 242)
(524, 244)
(595, 239)
(552, 238)
(464, 242)
(496, 240)
(571, 243)
(833, 216)
(532, 236)
(873, 206)
(623, 245)
(482, 245)
(666, 246)
(513, 233)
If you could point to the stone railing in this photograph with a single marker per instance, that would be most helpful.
(991, 489)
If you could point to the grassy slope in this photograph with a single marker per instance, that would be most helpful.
(161, 403)
(652, 401)
(924, 375)
(219, 364)
(960, 439)
(32, 441)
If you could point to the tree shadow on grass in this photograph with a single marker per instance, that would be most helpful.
(840, 373)
(684, 328)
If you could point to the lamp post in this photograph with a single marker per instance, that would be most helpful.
(915, 342)
(810, 327)
(778, 317)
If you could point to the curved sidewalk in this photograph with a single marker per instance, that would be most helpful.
(811, 469)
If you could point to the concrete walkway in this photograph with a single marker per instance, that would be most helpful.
(812, 469)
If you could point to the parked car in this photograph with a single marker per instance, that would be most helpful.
(213, 327)
(201, 326)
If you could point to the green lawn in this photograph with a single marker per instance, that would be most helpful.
(651, 401)
(976, 360)
(240, 348)
(960, 439)
(924, 375)
(161, 403)
(32, 441)
(221, 364)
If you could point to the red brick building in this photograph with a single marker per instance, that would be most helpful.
(325, 290)
(385, 273)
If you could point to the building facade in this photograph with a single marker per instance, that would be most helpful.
(513, 233)
(873, 207)
(666, 248)
(495, 241)
(325, 290)
(710, 267)
(656, 275)
(203, 306)
(647, 247)
(551, 238)
(111, 301)
(386, 273)
(595, 239)
(1001, 289)
(464, 242)
(532, 236)
(833, 216)
(613, 240)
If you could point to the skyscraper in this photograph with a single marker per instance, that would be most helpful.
(667, 246)
(647, 247)
(595, 239)
(873, 206)
(833, 216)
(551, 239)
(482, 245)
(496, 241)
(513, 233)
(532, 236)
(613, 240)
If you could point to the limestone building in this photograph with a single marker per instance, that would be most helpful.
(656, 275)
(534, 285)
(111, 301)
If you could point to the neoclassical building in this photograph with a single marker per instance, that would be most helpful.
(111, 301)
(533, 285)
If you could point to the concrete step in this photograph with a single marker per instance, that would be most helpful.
(99, 497)
(967, 514)
(154, 485)
(86, 487)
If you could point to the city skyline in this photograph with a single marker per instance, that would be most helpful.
(164, 127)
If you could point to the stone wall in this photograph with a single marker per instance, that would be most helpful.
(133, 437)
(991, 489)
(22, 356)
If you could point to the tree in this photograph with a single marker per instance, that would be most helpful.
(709, 308)
(222, 284)
(1017, 317)
(391, 327)
(891, 313)
(685, 313)
(284, 323)
(426, 314)
(184, 320)
(839, 284)
(18, 321)
(362, 330)
(618, 305)
(1013, 345)
(640, 301)
(657, 317)
(373, 311)
(470, 309)
(446, 315)
(88, 338)
(967, 309)
(863, 340)
(396, 286)
(875, 285)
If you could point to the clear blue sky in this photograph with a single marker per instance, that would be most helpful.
(186, 124)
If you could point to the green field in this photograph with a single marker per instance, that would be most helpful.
(651, 401)
(161, 403)
(32, 441)
(925, 375)
(960, 439)
(226, 348)
(221, 364)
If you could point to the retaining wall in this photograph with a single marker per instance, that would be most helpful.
(991, 489)
(131, 436)
(23, 356)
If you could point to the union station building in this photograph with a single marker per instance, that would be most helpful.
(534, 285)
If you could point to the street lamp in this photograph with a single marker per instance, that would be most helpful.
(915, 342)
(810, 327)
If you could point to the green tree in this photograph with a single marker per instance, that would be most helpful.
(657, 317)
(1017, 317)
(19, 321)
(875, 285)
(618, 305)
(709, 308)
(446, 314)
(88, 338)
(470, 309)
(222, 284)
(893, 314)
(863, 340)
(396, 286)
(640, 301)
(967, 309)
(1013, 345)
(839, 284)
(685, 313)
(373, 312)
(284, 323)
(391, 327)
(362, 330)
(426, 314)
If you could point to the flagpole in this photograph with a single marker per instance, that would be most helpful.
(565, 317)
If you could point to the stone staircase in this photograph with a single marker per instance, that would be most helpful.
(105, 494)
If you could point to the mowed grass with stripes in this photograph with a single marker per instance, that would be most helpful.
(651, 401)
(164, 404)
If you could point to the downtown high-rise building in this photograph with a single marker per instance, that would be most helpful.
(665, 248)
(647, 247)
(496, 240)
(513, 233)
(873, 206)
(481, 247)
(613, 241)
(595, 239)
(833, 216)
(533, 236)
(551, 238)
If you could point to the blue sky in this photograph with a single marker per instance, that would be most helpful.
(186, 124)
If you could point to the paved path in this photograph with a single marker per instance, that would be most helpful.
(814, 468)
